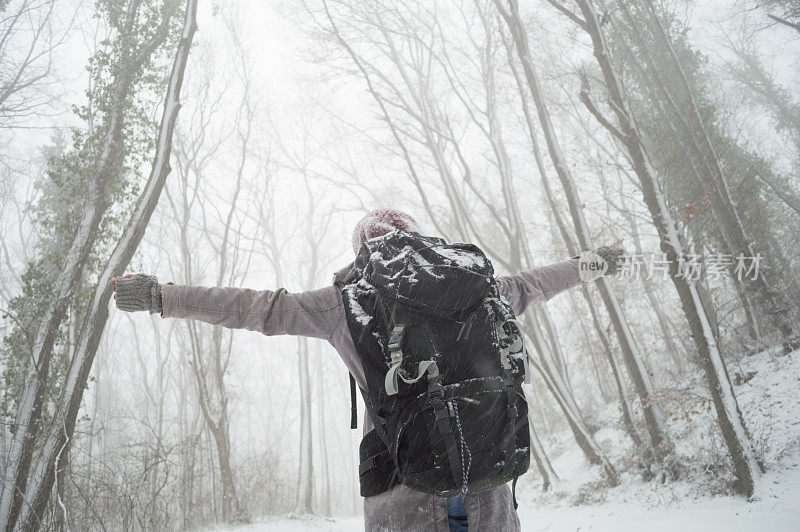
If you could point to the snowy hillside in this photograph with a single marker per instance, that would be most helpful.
(770, 399)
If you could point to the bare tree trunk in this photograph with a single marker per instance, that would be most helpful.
(625, 406)
(64, 278)
(154, 452)
(65, 413)
(557, 354)
(314, 235)
(549, 475)
(540, 322)
(190, 437)
(437, 132)
(790, 197)
(599, 376)
(745, 460)
(210, 359)
(305, 480)
(582, 435)
(663, 322)
(631, 355)
(519, 256)
(231, 509)
(325, 491)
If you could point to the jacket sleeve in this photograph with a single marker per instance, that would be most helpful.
(538, 285)
(314, 313)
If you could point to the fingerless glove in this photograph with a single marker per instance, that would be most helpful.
(613, 255)
(140, 292)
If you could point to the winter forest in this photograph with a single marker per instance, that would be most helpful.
(237, 143)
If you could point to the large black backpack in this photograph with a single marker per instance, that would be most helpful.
(444, 360)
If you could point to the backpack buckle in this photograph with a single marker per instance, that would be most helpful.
(396, 338)
(435, 388)
(390, 382)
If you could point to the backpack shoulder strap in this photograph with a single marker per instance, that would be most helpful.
(353, 410)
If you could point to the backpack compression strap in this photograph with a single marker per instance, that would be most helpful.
(442, 416)
(511, 431)
(353, 411)
(516, 348)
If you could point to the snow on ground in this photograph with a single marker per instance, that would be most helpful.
(770, 401)
(775, 509)
(295, 523)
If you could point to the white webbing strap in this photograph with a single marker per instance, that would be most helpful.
(391, 380)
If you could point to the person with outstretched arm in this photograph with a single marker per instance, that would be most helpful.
(321, 314)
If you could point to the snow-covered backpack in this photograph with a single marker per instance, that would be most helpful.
(444, 359)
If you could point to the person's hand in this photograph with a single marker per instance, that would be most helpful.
(137, 292)
(614, 257)
(114, 282)
(605, 260)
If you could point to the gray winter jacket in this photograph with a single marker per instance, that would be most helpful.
(320, 314)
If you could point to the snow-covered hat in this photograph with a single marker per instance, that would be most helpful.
(379, 222)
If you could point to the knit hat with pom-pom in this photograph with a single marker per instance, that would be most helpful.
(379, 222)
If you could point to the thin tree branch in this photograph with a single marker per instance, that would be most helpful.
(572, 16)
(783, 21)
(587, 101)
